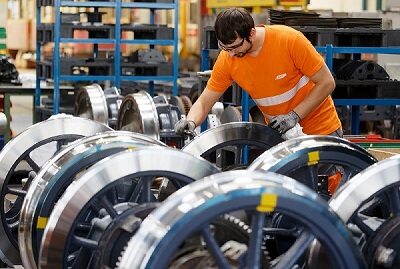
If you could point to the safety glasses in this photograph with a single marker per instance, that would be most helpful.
(222, 47)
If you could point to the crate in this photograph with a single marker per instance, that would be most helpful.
(149, 31)
(147, 69)
(351, 37)
(73, 66)
(354, 89)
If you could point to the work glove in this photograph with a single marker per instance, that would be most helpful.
(282, 123)
(184, 126)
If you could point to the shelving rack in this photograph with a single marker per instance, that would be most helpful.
(329, 51)
(116, 78)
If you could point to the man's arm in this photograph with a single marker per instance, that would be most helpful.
(203, 105)
(324, 86)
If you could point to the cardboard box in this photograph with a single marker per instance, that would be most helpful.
(18, 34)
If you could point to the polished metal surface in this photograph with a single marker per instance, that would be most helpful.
(3, 123)
(73, 157)
(236, 133)
(195, 205)
(91, 104)
(166, 161)
(365, 185)
(138, 114)
(114, 101)
(305, 158)
(22, 148)
(231, 114)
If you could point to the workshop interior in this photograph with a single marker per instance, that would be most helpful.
(105, 163)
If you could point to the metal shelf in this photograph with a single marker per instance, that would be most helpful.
(87, 40)
(136, 78)
(160, 42)
(117, 41)
(148, 5)
(87, 4)
(82, 77)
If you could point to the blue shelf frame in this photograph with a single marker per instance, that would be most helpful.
(329, 51)
(117, 41)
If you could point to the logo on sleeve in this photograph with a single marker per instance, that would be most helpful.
(281, 76)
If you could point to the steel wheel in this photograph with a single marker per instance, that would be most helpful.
(138, 113)
(230, 141)
(191, 209)
(20, 156)
(369, 203)
(303, 158)
(123, 177)
(57, 174)
(91, 104)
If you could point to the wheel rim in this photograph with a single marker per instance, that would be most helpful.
(237, 135)
(195, 205)
(308, 152)
(365, 190)
(91, 104)
(59, 131)
(57, 174)
(138, 114)
(144, 163)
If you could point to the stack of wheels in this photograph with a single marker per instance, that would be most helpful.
(93, 103)
(21, 159)
(182, 232)
(233, 145)
(91, 220)
(58, 173)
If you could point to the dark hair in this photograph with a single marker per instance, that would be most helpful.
(233, 23)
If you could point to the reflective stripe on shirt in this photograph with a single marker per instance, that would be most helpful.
(284, 97)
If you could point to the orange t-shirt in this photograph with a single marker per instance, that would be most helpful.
(278, 77)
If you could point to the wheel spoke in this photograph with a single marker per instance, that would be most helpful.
(296, 251)
(108, 206)
(85, 242)
(136, 191)
(358, 221)
(394, 198)
(146, 195)
(253, 257)
(214, 249)
(35, 167)
(312, 174)
(83, 227)
(17, 192)
(13, 226)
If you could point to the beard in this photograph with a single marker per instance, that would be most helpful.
(242, 54)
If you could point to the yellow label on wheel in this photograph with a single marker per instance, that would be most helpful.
(267, 203)
(313, 158)
(41, 223)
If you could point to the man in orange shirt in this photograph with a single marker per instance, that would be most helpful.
(279, 68)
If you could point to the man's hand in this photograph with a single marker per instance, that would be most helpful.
(282, 123)
(184, 125)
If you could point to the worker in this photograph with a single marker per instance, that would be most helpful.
(279, 68)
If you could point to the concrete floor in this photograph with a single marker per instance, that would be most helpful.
(21, 113)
